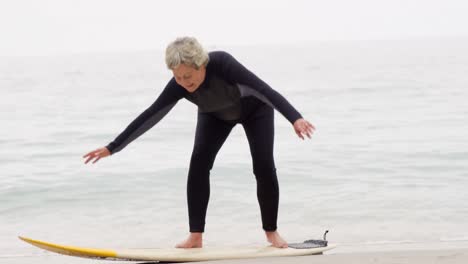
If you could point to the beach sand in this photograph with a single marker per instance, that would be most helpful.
(447, 256)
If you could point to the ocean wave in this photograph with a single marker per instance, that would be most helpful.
(454, 239)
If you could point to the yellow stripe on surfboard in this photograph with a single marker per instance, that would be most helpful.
(71, 250)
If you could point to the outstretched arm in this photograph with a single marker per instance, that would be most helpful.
(250, 84)
(171, 94)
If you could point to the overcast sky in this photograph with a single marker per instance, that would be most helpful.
(29, 27)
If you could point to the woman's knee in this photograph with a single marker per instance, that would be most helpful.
(264, 170)
(202, 159)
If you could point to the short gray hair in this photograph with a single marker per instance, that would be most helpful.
(186, 50)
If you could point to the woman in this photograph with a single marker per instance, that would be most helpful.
(226, 94)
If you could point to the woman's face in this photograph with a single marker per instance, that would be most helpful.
(189, 77)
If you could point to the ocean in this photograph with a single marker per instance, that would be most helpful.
(387, 166)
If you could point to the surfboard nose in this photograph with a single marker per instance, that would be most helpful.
(71, 250)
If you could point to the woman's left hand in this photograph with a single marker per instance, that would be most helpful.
(303, 128)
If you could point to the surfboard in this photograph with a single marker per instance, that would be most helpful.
(182, 255)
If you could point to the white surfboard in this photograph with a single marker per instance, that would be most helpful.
(177, 254)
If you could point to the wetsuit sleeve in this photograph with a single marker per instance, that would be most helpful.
(171, 94)
(250, 84)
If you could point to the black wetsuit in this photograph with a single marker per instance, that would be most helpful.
(230, 94)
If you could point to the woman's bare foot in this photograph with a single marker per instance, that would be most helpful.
(195, 240)
(276, 240)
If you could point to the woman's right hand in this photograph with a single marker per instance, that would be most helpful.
(96, 155)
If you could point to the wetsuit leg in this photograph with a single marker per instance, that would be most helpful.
(209, 137)
(259, 128)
